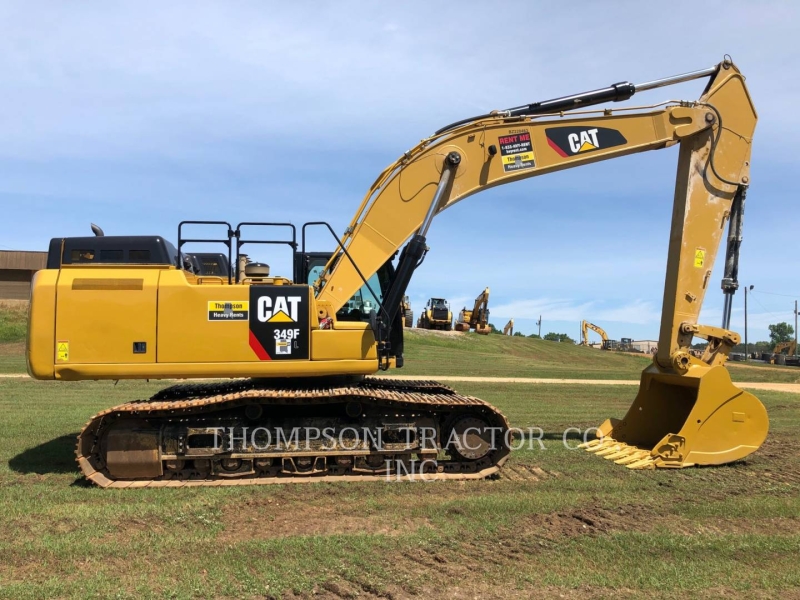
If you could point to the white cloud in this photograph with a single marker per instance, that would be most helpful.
(142, 114)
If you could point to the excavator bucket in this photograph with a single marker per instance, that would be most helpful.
(676, 421)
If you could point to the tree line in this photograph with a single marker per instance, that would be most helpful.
(778, 333)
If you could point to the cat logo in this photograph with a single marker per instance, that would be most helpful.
(279, 322)
(584, 141)
(283, 310)
(570, 141)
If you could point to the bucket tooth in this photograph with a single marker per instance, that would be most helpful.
(605, 443)
(643, 463)
(679, 420)
(622, 453)
(610, 450)
(635, 457)
(591, 444)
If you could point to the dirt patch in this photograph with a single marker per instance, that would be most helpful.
(266, 518)
(738, 365)
(12, 349)
(520, 472)
(589, 521)
(437, 333)
(776, 462)
(14, 304)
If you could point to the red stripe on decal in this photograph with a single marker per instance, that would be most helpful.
(555, 147)
(258, 348)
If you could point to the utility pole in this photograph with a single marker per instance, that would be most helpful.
(795, 327)
(746, 353)
(539, 323)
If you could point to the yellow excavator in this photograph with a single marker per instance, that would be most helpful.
(116, 307)
(778, 354)
(509, 328)
(586, 326)
(477, 318)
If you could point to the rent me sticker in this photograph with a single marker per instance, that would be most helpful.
(516, 151)
(228, 310)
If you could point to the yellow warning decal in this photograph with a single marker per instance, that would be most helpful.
(280, 317)
(62, 351)
(699, 258)
(228, 310)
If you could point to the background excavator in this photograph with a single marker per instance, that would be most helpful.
(778, 354)
(478, 317)
(116, 307)
(790, 348)
(509, 328)
(586, 326)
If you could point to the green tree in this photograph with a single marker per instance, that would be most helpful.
(495, 329)
(535, 336)
(558, 337)
(781, 332)
(519, 334)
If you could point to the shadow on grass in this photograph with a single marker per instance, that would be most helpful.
(55, 456)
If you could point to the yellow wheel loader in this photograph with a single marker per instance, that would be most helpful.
(293, 354)
(406, 313)
(477, 318)
(436, 315)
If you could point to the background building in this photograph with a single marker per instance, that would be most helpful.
(16, 271)
(646, 346)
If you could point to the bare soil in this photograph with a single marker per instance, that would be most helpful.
(12, 349)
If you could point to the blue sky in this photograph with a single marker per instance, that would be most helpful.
(139, 115)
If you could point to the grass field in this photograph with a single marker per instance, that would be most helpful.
(557, 522)
(502, 356)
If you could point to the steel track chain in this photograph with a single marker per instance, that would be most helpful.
(200, 398)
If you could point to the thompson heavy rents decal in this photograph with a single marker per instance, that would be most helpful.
(279, 321)
(516, 151)
(569, 141)
(228, 310)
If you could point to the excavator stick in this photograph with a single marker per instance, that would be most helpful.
(687, 411)
(699, 418)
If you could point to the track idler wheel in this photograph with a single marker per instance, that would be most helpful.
(471, 438)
